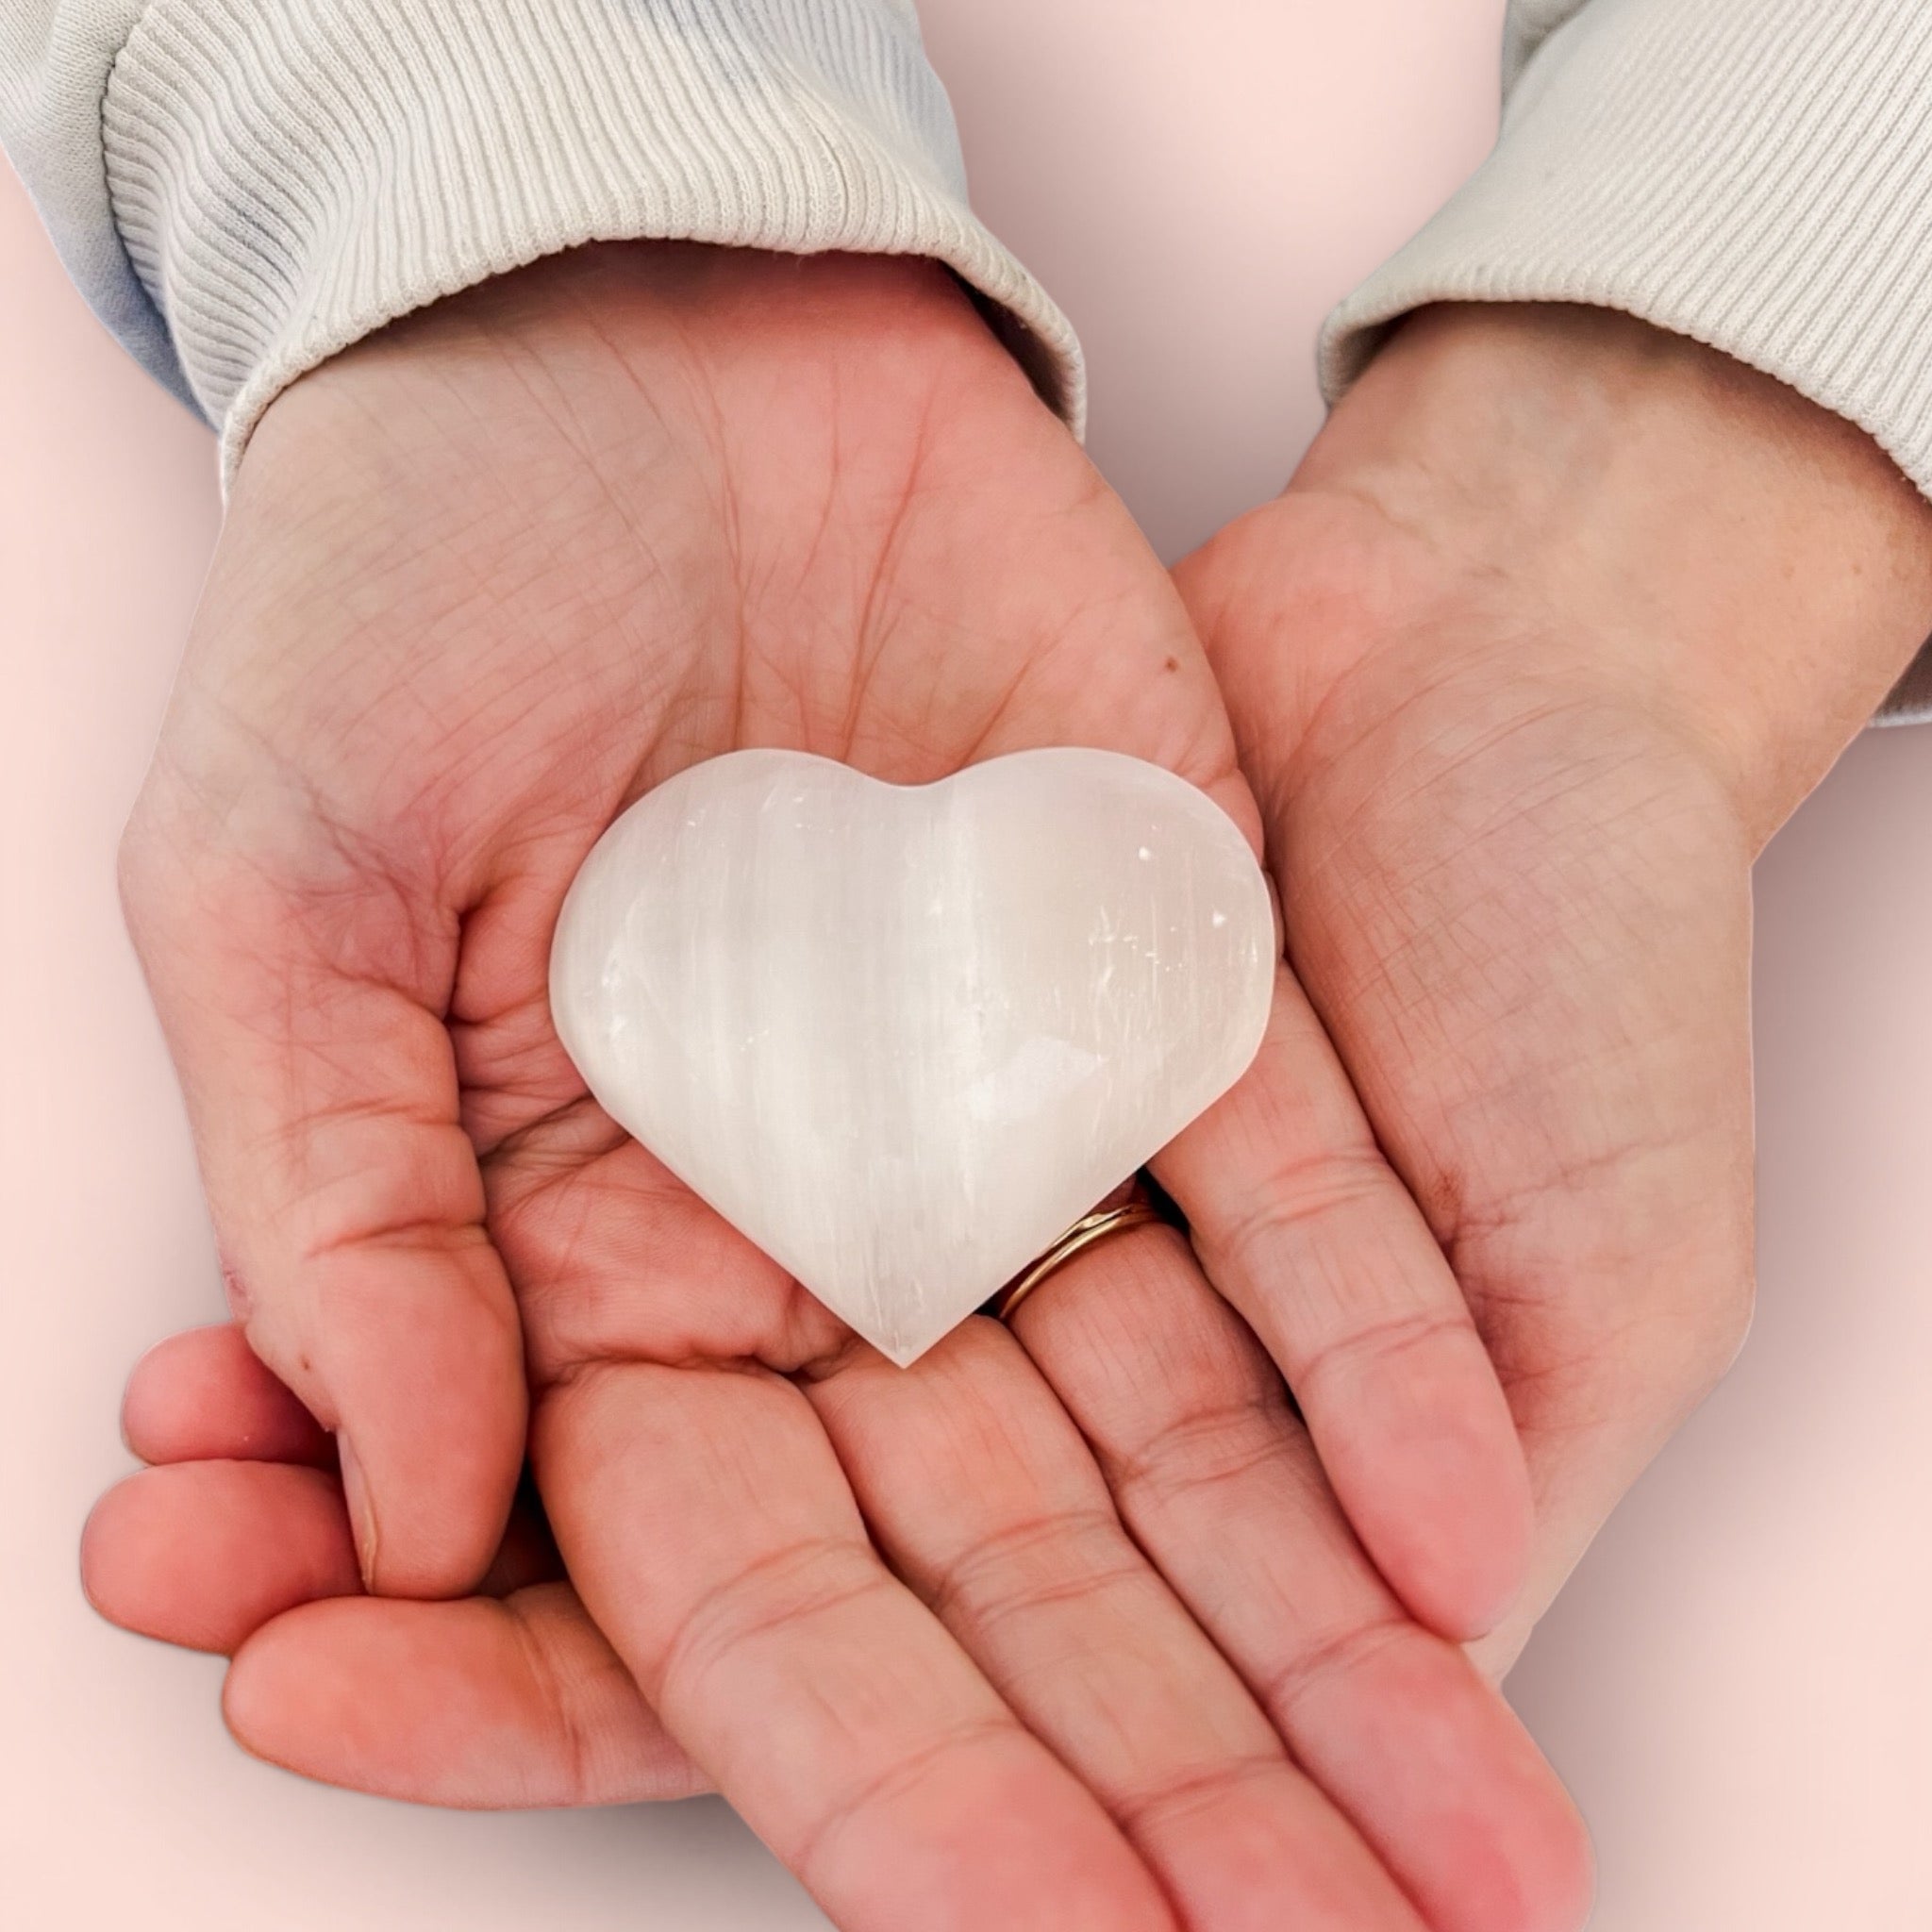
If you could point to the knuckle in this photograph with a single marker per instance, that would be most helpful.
(1215, 1447)
(1295, 1200)
(1374, 1345)
(1327, 1658)
(1180, 1796)
(893, 1782)
(777, 1592)
(1029, 1566)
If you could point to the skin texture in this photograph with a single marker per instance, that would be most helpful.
(1560, 618)
(1074, 1633)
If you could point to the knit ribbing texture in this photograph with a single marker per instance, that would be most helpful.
(1755, 174)
(290, 174)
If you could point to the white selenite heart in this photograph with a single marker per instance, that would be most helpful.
(901, 1036)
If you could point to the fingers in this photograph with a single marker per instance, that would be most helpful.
(982, 1495)
(1215, 1481)
(1305, 1228)
(714, 1538)
(202, 1405)
(305, 1025)
(203, 1554)
(482, 1704)
(205, 1395)
(479, 1702)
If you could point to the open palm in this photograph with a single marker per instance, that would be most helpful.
(1528, 931)
(1558, 621)
(1057, 1639)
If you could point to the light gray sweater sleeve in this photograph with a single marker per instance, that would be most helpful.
(1753, 173)
(243, 186)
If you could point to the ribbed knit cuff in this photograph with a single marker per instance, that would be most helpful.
(1753, 173)
(290, 174)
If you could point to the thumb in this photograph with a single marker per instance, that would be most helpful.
(306, 1026)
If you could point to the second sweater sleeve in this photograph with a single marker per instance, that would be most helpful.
(1753, 173)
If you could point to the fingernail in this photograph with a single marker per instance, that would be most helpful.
(361, 1515)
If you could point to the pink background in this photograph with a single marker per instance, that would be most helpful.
(1737, 1683)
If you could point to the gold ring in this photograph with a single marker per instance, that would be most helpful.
(1129, 1206)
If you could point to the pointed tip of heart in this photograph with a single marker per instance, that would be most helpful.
(902, 1347)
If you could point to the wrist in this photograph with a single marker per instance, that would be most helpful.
(663, 376)
(1651, 517)
(645, 333)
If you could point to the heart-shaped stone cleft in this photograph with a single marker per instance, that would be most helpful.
(901, 1036)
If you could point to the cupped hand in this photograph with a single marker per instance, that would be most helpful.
(1061, 1638)
(1559, 620)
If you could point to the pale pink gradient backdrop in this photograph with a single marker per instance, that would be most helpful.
(1737, 1683)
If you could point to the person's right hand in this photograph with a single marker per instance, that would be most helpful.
(1053, 1640)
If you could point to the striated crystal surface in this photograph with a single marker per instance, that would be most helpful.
(901, 1036)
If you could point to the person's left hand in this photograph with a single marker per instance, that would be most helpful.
(1559, 619)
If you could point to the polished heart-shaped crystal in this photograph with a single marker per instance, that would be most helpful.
(901, 1037)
